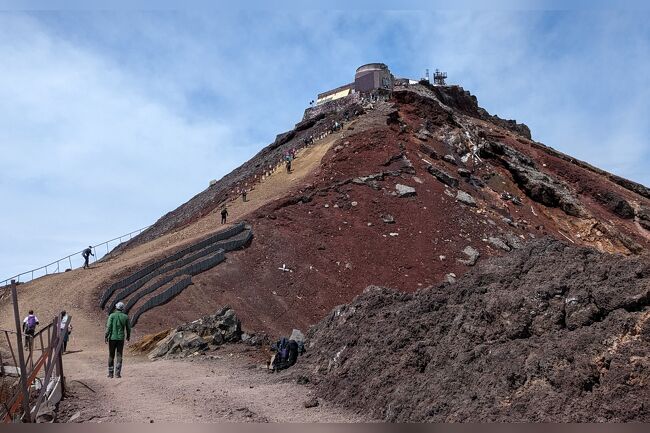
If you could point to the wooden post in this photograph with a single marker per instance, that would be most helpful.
(21, 356)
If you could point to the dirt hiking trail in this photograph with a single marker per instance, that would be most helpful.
(223, 388)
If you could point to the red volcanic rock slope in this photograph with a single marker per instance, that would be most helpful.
(419, 188)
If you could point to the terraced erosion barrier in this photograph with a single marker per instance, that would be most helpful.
(162, 298)
(168, 277)
(193, 269)
(140, 274)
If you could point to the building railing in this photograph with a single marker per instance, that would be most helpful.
(66, 263)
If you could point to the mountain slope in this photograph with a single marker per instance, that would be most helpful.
(480, 182)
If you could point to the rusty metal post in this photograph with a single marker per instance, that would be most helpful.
(21, 356)
(58, 350)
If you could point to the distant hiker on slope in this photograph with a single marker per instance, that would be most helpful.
(29, 327)
(86, 254)
(66, 335)
(117, 327)
(243, 195)
(224, 215)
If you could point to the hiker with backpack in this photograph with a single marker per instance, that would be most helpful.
(86, 255)
(29, 327)
(224, 215)
(117, 329)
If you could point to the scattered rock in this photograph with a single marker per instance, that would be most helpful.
(393, 234)
(443, 176)
(463, 172)
(450, 159)
(472, 256)
(297, 336)
(388, 219)
(354, 203)
(312, 402)
(46, 414)
(75, 417)
(450, 278)
(497, 242)
(429, 151)
(363, 180)
(513, 241)
(465, 198)
(404, 190)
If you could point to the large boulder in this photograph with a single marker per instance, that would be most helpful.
(222, 326)
(178, 344)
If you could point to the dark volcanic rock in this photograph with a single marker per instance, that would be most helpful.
(550, 333)
(537, 185)
(616, 204)
(223, 326)
(644, 217)
(443, 176)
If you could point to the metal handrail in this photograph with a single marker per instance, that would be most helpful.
(96, 257)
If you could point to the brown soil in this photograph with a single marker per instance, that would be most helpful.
(224, 386)
(510, 341)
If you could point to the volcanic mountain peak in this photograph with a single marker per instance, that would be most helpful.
(402, 187)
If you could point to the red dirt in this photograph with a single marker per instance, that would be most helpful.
(334, 253)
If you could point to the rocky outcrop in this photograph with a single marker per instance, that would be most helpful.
(221, 327)
(616, 204)
(537, 185)
(644, 217)
(548, 333)
(179, 344)
(190, 338)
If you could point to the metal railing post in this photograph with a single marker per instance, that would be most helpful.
(21, 355)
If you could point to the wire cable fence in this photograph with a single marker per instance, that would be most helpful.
(72, 261)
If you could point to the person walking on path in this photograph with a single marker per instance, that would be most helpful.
(224, 215)
(86, 254)
(117, 329)
(29, 327)
(66, 335)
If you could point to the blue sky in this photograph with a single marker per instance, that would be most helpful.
(110, 119)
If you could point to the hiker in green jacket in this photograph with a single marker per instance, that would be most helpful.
(117, 327)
